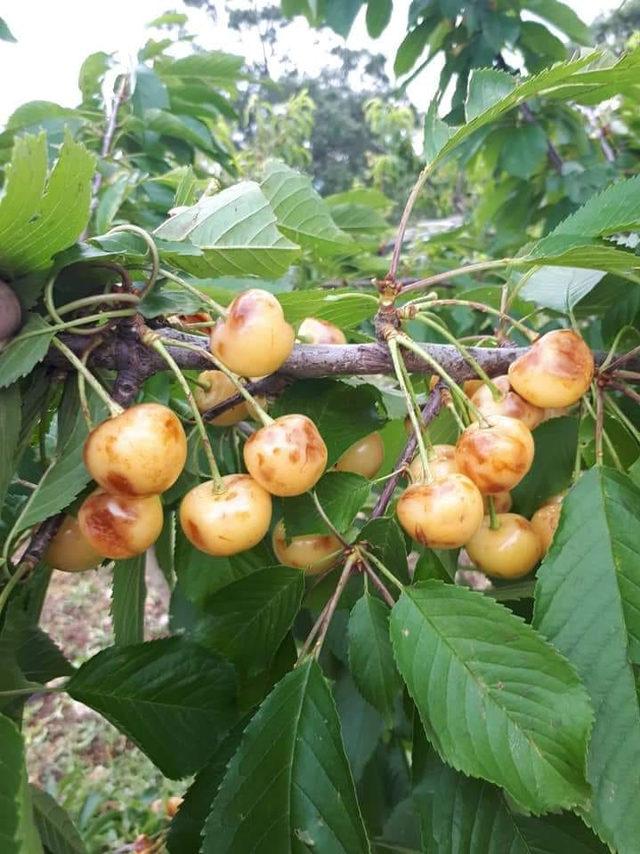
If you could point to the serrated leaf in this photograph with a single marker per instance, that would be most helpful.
(55, 828)
(10, 418)
(524, 150)
(234, 233)
(289, 784)
(12, 780)
(344, 309)
(38, 657)
(563, 17)
(301, 212)
(247, 620)
(128, 595)
(110, 201)
(587, 602)
(461, 656)
(42, 215)
(217, 69)
(411, 47)
(361, 725)
(187, 128)
(359, 219)
(386, 541)
(26, 350)
(553, 462)
(560, 288)
(371, 658)
(173, 698)
(486, 87)
(341, 495)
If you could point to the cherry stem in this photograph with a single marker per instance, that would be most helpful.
(383, 569)
(82, 389)
(114, 408)
(599, 426)
(577, 466)
(259, 411)
(97, 299)
(153, 253)
(624, 357)
(494, 522)
(151, 339)
(478, 267)
(627, 375)
(605, 435)
(378, 583)
(215, 306)
(629, 392)
(404, 220)
(21, 571)
(476, 306)
(333, 604)
(608, 363)
(312, 635)
(328, 521)
(407, 390)
(70, 325)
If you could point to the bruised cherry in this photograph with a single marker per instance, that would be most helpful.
(544, 522)
(225, 523)
(120, 526)
(442, 461)
(69, 551)
(253, 339)
(364, 457)
(288, 456)
(315, 331)
(442, 514)
(509, 403)
(497, 454)
(314, 553)
(10, 312)
(221, 388)
(555, 372)
(509, 551)
(140, 452)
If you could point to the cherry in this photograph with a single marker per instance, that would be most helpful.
(10, 312)
(120, 526)
(496, 455)
(502, 502)
(140, 452)
(253, 339)
(558, 498)
(509, 404)
(315, 331)
(364, 457)
(314, 553)
(442, 461)
(288, 456)
(544, 522)
(69, 551)
(442, 514)
(470, 387)
(555, 412)
(509, 551)
(221, 388)
(555, 372)
(225, 523)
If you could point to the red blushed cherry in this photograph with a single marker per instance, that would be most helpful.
(442, 514)
(313, 553)
(555, 372)
(253, 339)
(140, 452)
(120, 526)
(509, 404)
(69, 551)
(364, 457)
(315, 331)
(509, 551)
(225, 523)
(496, 454)
(288, 456)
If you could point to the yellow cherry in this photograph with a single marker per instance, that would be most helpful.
(314, 553)
(496, 455)
(364, 457)
(544, 522)
(69, 551)
(555, 372)
(221, 388)
(288, 456)
(253, 339)
(315, 331)
(442, 514)
(509, 404)
(140, 452)
(442, 461)
(509, 551)
(120, 526)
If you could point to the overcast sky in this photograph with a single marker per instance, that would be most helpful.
(55, 37)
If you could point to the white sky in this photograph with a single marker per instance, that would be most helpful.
(55, 37)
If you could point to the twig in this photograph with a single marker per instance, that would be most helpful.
(333, 604)
(404, 221)
(378, 583)
(438, 278)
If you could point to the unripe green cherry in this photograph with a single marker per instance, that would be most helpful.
(496, 455)
(364, 457)
(120, 526)
(442, 514)
(69, 551)
(315, 331)
(313, 553)
(509, 551)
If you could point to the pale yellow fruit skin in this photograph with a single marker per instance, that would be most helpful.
(511, 551)
(510, 404)
(286, 457)
(229, 522)
(313, 553)
(140, 452)
(502, 502)
(120, 526)
(544, 522)
(555, 372)
(69, 551)
(442, 514)
(221, 388)
(253, 339)
(364, 457)
(496, 457)
(442, 461)
(316, 331)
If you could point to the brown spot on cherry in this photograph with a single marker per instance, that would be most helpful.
(443, 513)
(495, 454)
(315, 331)
(509, 403)
(119, 526)
(314, 553)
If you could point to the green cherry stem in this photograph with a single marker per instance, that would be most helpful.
(619, 414)
(153, 253)
(479, 267)
(383, 569)
(215, 306)
(398, 365)
(333, 604)
(97, 299)
(475, 306)
(494, 522)
(114, 408)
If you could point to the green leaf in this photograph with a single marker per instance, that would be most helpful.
(173, 698)
(127, 600)
(217, 69)
(371, 657)
(486, 87)
(289, 784)
(25, 351)
(235, 232)
(5, 33)
(149, 92)
(359, 219)
(341, 495)
(39, 214)
(438, 564)
(436, 133)
(302, 214)
(36, 654)
(344, 309)
(247, 620)
(340, 15)
(554, 458)
(91, 74)
(412, 46)
(458, 650)
(342, 413)
(12, 780)
(560, 288)
(10, 419)
(56, 830)
(524, 151)
(587, 603)
(110, 201)
(186, 128)
(378, 16)
(386, 541)
(361, 725)
(563, 17)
